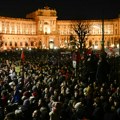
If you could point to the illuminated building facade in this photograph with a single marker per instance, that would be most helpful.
(41, 29)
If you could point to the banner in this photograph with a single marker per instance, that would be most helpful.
(74, 64)
(17, 69)
(22, 56)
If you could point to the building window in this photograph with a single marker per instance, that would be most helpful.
(108, 43)
(10, 43)
(116, 31)
(90, 43)
(115, 43)
(26, 44)
(5, 43)
(20, 43)
(46, 30)
(32, 43)
(96, 42)
(15, 44)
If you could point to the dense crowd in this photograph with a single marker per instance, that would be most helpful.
(45, 86)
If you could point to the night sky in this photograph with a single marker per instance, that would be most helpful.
(66, 9)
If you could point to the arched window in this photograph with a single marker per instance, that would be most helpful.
(26, 44)
(32, 43)
(20, 43)
(15, 44)
(90, 43)
(10, 43)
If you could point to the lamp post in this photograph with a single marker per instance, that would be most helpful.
(102, 42)
(119, 47)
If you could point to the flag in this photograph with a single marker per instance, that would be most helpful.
(22, 56)
(74, 64)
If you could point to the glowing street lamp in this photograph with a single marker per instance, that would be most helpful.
(119, 46)
(112, 45)
(95, 47)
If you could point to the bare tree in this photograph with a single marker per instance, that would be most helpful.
(81, 29)
(73, 42)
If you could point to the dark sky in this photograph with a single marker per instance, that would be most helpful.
(66, 9)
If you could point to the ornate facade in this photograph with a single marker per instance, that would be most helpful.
(40, 28)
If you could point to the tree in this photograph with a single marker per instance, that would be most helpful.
(81, 29)
(73, 42)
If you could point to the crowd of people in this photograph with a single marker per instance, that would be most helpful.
(44, 86)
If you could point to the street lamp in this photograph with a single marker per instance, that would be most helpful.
(102, 42)
(119, 47)
(96, 47)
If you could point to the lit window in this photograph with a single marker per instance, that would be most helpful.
(26, 44)
(96, 42)
(15, 44)
(5, 43)
(90, 43)
(20, 43)
(10, 43)
(32, 43)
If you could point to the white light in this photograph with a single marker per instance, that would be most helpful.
(95, 47)
(21, 48)
(117, 45)
(51, 40)
(47, 29)
(16, 48)
(112, 45)
(29, 48)
(96, 26)
(65, 41)
(55, 47)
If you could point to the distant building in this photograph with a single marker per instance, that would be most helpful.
(41, 29)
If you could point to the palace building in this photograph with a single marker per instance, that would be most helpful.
(41, 28)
